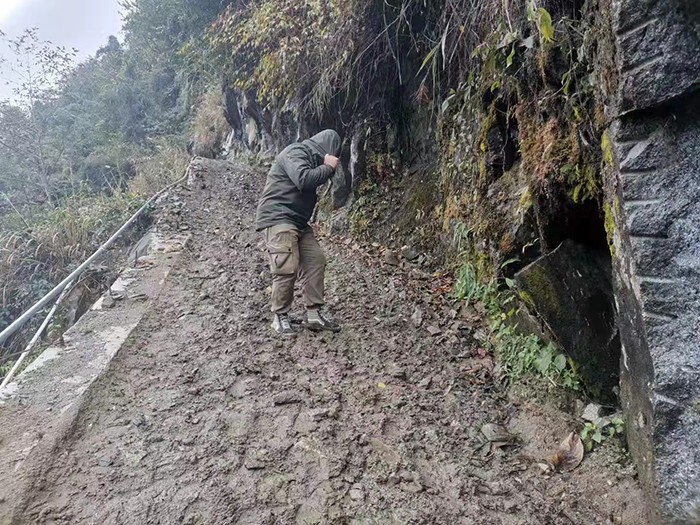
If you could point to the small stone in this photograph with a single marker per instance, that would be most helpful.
(417, 317)
(399, 403)
(304, 424)
(108, 301)
(410, 253)
(320, 414)
(426, 382)
(481, 335)
(396, 371)
(434, 330)
(391, 258)
(496, 433)
(592, 413)
(254, 464)
(405, 475)
(287, 398)
(334, 411)
(357, 494)
(413, 487)
(510, 505)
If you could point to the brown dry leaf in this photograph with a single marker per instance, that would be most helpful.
(570, 453)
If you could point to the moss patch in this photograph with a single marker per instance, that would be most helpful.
(610, 226)
(538, 282)
(606, 147)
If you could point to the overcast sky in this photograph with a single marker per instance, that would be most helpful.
(81, 24)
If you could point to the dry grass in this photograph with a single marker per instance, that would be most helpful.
(33, 260)
(165, 165)
(36, 255)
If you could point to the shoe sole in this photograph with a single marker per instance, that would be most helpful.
(316, 328)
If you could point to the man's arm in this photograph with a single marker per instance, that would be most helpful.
(304, 176)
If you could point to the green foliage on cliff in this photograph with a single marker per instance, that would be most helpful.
(527, 121)
(520, 354)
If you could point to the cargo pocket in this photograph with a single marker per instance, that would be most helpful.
(283, 257)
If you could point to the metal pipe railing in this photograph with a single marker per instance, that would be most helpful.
(53, 294)
(36, 337)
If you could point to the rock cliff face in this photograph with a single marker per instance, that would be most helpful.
(655, 198)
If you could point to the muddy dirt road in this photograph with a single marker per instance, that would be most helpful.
(205, 418)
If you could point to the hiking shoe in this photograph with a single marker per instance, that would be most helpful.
(319, 320)
(282, 325)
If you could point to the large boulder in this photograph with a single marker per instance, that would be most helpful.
(654, 208)
(570, 289)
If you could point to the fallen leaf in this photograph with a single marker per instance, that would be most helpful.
(570, 453)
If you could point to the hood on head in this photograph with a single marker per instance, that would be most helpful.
(325, 143)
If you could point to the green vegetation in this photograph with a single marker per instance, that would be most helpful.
(594, 435)
(525, 121)
(84, 145)
(39, 245)
(607, 149)
(520, 355)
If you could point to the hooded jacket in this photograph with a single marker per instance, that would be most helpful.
(289, 196)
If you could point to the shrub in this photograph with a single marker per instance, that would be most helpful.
(210, 125)
(34, 259)
(164, 165)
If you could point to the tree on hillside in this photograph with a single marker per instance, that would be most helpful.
(86, 122)
(164, 39)
(36, 69)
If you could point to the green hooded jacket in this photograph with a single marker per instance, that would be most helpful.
(289, 196)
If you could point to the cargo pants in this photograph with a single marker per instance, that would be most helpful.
(295, 254)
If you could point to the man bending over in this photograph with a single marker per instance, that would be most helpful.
(284, 211)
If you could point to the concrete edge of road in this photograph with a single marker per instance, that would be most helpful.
(38, 409)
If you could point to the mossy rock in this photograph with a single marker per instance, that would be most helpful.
(570, 289)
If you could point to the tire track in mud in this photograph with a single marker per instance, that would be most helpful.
(205, 418)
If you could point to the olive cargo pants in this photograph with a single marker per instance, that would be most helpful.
(293, 254)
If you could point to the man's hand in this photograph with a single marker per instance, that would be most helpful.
(331, 161)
